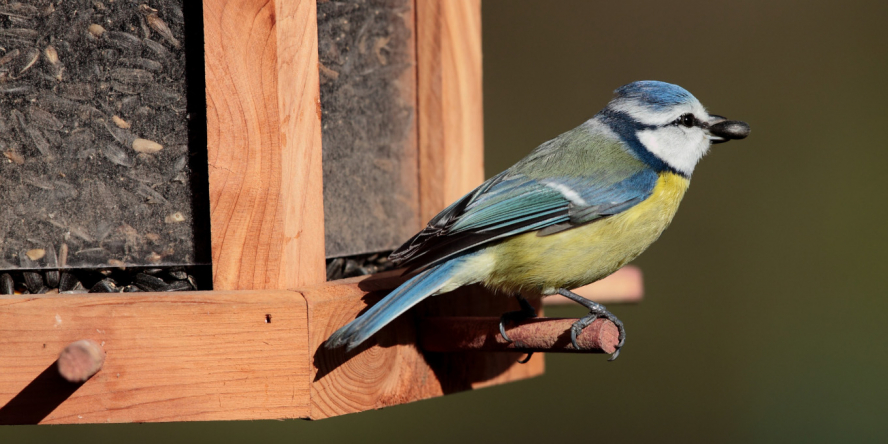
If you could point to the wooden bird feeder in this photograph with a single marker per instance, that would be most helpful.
(398, 100)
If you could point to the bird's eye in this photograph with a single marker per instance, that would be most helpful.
(687, 120)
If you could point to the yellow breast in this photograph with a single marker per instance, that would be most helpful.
(532, 264)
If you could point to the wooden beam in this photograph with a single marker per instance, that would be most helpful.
(264, 143)
(449, 87)
(193, 356)
(226, 355)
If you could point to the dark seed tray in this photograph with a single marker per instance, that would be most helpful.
(346, 267)
(93, 135)
(113, 280)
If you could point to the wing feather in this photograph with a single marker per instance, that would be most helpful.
(509, 205)
(579, 177)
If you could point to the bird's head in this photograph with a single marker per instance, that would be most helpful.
(666, 126)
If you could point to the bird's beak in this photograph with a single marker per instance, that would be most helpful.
(720, 129)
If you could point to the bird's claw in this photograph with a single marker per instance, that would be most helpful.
(502, 326)
(527, 311)
(584, 322)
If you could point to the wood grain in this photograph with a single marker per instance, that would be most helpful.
(264, 143)
(389, 369)
(170, 357)
(449, 94)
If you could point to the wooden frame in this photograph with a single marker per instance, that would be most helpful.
(251, 348)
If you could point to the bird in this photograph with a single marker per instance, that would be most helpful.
(576, 209)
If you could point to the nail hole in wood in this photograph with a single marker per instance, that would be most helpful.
(268, 319)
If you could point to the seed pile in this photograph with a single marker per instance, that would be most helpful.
(367, 74)
(93, 134)
(346, 267)
(104, 280)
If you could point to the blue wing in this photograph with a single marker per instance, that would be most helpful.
(512, 203)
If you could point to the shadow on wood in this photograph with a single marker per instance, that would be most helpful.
(399, 332)
(38, 399)
(456, 371)
(389, 369)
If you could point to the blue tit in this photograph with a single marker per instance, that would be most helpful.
(575, 210)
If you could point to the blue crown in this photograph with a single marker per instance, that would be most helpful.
(655, 94)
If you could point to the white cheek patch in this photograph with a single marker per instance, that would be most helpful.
(679, 149)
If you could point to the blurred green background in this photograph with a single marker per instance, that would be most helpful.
(764, 317)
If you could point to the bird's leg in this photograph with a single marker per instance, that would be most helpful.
(527, 311)
(596, 311)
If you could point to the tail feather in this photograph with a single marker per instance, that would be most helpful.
(396, 303)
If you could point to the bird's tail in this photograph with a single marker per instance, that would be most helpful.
(396, 303)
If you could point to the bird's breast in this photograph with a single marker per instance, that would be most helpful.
(531, 264)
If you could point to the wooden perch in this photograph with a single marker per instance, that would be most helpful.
(548, 335)
(81, 360)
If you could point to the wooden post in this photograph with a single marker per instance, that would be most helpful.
(264, 143)
(449, 87)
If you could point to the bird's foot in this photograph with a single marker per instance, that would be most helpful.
(527, 311)
(596, 311)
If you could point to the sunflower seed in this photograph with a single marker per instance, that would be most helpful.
(105, 286)
(125, 42)
(52, 261)
(43, 118)
(159, 25)
(132, 76)
(178, 286)
(67, 282)
(96, 30)
(116, 155)
(9, 56)
(27, 61)
(149, 283)
(7, 285)
(33, 280)
(35, 254)
(146, 146)
(142, 63)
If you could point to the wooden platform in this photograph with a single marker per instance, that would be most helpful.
(226, 355)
